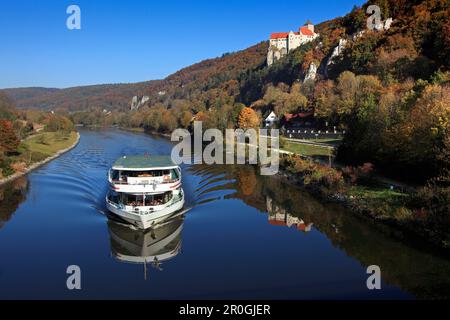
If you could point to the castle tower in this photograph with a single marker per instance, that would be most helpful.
(309, 25)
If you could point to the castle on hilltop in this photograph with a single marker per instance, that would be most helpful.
(281, 43)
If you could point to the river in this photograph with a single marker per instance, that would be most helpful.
(246, 237)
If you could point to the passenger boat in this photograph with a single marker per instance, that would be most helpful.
(145, 190)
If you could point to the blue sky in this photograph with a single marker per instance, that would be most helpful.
(137, 40)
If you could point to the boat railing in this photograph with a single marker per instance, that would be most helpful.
(114, 204)
(176, 199)
(145, 182)
(137, 210)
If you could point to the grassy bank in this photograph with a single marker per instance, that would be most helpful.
(307, 150)
(326, 140)
(35, 150)
(48, 143)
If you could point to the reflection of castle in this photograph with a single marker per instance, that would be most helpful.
(146, 247)
(280, 217)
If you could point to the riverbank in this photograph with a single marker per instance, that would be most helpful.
(142, 130)
(40, 149)
(308, 149)
(422, 213)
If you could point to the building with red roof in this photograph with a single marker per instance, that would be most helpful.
(281, 43)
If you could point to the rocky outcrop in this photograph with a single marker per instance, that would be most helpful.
(384, 26)
(358, 35)
(138, 102)
(337, 51)
(275, 54)
(312, 73)
(388, 24)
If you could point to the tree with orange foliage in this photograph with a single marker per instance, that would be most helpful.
(8, 138)
(201, 117)
(186, 119)
(247, 180)
(248, 118)
(307, 60)
(168, 121)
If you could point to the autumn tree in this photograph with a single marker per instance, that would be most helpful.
(294, 102)
(430, 124)
(58, 123)
(283, 100)
(8, 139)
(347, 87)
(186, 118)
(201, 116)
(248, 118)
(395, 58)
(168, 121)
(326, 101)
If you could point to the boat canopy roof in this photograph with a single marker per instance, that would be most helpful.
(138, 163)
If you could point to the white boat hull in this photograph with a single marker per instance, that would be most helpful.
(162, 243)
(145, 220)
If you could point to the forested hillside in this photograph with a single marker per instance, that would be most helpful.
(388, 89)
(21, 94)
(202, 76)
(7, 107)
(109, 96)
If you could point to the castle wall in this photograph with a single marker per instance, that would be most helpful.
(281, 46)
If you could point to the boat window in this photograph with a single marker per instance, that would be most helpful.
(174, 174)
(165, 174)
(133, 200)
(115, 175)
(146, 200)
(114, 197)
(159, 199)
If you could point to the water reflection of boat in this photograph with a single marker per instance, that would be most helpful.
(153, 246)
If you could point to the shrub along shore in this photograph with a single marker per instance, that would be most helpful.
(423, 212)
(40, 149)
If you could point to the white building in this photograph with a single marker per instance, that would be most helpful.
(281, 43)
(270, 120)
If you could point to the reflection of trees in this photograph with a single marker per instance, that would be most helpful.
(403, 263)
(11, 196)
(247, 180)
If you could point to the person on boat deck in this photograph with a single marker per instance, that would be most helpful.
(149, 201)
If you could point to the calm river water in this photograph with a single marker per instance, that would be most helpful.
(246, 236)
